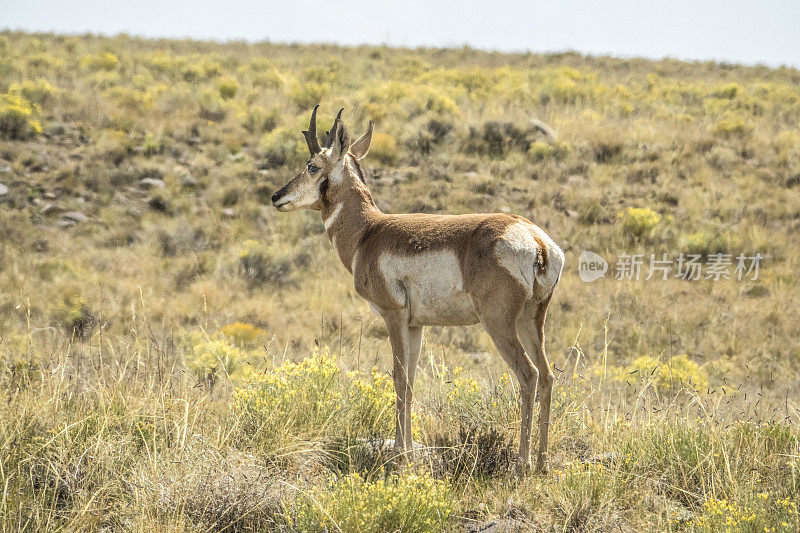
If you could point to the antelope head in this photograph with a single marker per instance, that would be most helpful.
(323, 173)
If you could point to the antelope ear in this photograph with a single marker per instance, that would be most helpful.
(360, 148)
(341, 142)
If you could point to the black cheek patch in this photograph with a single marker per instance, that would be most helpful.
(323, 189)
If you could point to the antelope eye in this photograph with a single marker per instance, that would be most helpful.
(312, 169)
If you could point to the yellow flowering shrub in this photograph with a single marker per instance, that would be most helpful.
(18, 117)
(104, 61)
(371, 403)
(243, 335)
(409, 503)
(209, 357)
(463, 401)
(678, 371)
(761, 511)
(38, 91)
(731, 126)
(292, 397)
(638, 222)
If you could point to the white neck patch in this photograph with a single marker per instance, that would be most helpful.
(335, 215)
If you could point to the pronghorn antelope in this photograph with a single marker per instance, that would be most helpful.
(419, 270)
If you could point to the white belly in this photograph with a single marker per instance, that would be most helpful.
(430, 285)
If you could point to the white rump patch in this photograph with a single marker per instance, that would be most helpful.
(518, 252)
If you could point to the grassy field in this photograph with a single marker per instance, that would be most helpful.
(175, 355)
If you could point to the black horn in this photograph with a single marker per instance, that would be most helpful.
(329, 135)
(311, 134)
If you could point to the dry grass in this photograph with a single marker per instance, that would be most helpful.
(146, 281)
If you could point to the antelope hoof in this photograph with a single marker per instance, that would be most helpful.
(541, 465)
(402, 457)
(522, 469)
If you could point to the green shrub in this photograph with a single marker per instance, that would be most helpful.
(586, 496)
(212, 107)
(162, 63)
(227, 87)
(105, 61)
(191, 72)
(540, 151)
(728, 91)
(75, 316)
(129, 98)
(256, 119)
(431, 100)
(211, 69)
(732, 126)
(383, 148)
(211, 357)
(269, 78)
(307, 95)
(152, 145)
(433, 134)
(37, 91)
(282, 146)
(476, 451)
(703, 242)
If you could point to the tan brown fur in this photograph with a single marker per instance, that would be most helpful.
(420, 269)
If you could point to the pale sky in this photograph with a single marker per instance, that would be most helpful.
(766, 31)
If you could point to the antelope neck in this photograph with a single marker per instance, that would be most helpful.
(348, 217)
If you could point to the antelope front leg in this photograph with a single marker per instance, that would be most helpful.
(400, 337)
(414, 347)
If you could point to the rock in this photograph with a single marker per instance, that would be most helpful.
(3, 190)
(151, 183)
(189, 182)
(5, 169)
(51, 209)
(63, 224)
(576, 180)
(75, 216)
(229, 212)
(544, 129)
(479, 357)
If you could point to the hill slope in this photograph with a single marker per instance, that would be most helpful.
(146, 280)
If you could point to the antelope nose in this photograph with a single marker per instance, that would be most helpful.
(276, 196)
